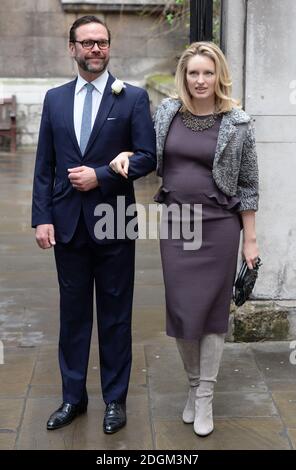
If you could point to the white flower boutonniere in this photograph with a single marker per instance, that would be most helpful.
(117, 86)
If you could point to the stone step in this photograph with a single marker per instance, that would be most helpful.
(262, 320)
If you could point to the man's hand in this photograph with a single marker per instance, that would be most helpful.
(83, 178)
(45, 236)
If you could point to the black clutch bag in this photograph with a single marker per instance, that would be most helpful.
(245, 282)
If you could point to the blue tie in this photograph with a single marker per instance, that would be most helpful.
(86, 118)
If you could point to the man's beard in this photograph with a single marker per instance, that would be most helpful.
(88, 67)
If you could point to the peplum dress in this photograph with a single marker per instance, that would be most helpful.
(198, 282)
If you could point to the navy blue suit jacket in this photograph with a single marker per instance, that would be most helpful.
(123, 123)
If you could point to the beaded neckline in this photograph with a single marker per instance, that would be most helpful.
(198, 123)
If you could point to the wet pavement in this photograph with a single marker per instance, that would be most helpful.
(255, 399)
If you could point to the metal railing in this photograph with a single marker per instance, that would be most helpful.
(201, 20)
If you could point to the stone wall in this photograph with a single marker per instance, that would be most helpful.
(34, 39)
(33, 35)
(258, 41)
(29, 95)
(34, 49)
(270, 69)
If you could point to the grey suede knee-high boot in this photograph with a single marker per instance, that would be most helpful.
(211, 349)
(189, 352)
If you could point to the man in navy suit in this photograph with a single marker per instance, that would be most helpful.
(84, 126)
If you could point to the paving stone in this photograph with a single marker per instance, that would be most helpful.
(16, 372)
(275, 366)
(229, 434)
(10, 413)
(86, 431)
(286, 403)
(292, 435)
(7, 440)
(239, 371)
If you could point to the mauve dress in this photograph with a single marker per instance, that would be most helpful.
(198, 283)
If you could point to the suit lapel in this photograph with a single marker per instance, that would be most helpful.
(69, 113)
(106, 105)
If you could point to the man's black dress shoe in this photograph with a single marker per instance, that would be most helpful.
(64, 415)
(115, 417)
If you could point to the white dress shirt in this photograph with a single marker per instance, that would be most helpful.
(80, 93)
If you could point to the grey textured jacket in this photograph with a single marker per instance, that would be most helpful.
(235, 169)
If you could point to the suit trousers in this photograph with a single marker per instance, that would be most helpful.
(82, 264)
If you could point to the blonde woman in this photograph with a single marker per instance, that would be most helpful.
(206, 155)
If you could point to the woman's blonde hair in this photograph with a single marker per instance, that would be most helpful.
(223, 86)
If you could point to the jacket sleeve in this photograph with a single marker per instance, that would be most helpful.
(142, 144)
(248, 181)
(157, 118)
(143, 139)
(44, 172)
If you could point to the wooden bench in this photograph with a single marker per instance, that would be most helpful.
(8, 120)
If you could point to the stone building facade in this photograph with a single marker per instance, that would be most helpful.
(34, 42)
